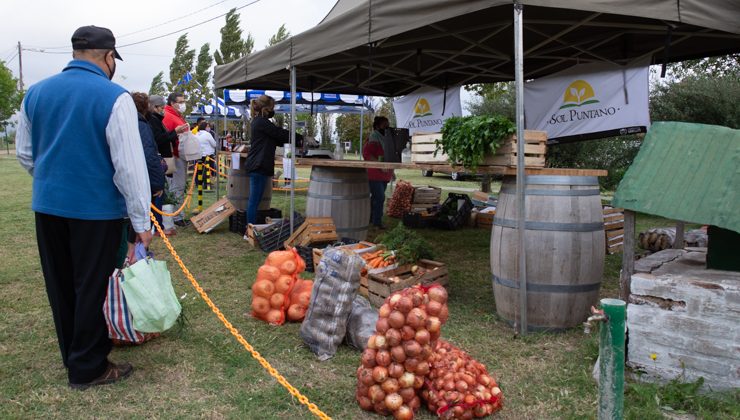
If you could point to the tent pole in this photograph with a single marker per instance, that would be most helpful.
(521, 182)
(362, 120)
(292, 145)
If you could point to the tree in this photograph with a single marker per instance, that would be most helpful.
(10, 95)
(325, 129)
(282, 34)
(493, 99)
(700, 99)
(386, 109)
(182, 63)
(157, 87)
(232, 45)
(348, 128)
(203, 68)
(728, 65)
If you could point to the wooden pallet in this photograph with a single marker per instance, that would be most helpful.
(614, 229)
(379, 286)
(423, 147)
(313, 230)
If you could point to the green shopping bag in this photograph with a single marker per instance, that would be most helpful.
(149, 294)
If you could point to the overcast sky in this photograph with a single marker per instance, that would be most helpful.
(41, 24)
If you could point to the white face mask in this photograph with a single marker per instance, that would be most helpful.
(181, 108)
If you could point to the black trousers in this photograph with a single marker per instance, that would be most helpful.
(77, 257)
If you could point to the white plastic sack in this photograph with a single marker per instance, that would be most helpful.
(189, 147)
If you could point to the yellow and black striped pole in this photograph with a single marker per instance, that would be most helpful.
(206, 166)
(199, 169)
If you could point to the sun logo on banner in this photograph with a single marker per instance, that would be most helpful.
(578, 93)
(422, 108)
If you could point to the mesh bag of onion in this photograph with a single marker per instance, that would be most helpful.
(396, 361)
(458, 386)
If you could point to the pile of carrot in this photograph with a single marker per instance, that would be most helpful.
(379, 259)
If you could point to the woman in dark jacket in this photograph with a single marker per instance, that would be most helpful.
(165, 140)
(260, 165)
(153, 160)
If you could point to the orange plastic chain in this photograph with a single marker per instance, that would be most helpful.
(255, 354)
(184, 203)
(220, 173)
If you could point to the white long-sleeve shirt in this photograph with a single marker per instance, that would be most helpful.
(207, 143)
(126, 152)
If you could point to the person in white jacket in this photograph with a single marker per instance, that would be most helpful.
(207, 151)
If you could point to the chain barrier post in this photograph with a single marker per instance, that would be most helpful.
(199, 171)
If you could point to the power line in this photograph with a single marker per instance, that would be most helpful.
(172, 20)
(165, 35)
(185, 29)
(11, 58)
(43, 51)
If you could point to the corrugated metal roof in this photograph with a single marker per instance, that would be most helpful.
(688, 172)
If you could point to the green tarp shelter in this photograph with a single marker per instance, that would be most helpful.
(688, 172)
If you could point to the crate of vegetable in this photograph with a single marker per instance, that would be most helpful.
(425, 272)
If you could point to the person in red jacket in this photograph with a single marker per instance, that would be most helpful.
(173, 121)
(378, 178)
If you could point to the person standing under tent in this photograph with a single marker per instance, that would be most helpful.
(88, 174)
(378, 178)
(265, 138)
(207, 151)
(174, 121)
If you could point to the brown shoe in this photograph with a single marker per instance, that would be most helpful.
(113, 373)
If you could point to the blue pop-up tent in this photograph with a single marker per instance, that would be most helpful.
(306, 102)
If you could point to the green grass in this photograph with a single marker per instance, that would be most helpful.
(203, 372)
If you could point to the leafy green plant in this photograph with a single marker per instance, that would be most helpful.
(409, 246)
(467, 140)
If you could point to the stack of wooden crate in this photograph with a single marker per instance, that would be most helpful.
(614, 229)
(425, 197)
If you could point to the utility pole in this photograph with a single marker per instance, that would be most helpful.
(20, 65)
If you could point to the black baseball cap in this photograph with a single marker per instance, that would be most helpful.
(94, 38)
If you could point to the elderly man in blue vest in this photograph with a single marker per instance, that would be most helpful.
(78, 137)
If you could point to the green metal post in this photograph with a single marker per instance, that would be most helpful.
(611, 360)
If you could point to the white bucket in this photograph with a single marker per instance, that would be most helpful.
(167, 220)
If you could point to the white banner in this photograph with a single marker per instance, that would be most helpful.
(589, 101)
(425, 110)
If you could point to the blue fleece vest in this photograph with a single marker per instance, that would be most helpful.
(73, 171)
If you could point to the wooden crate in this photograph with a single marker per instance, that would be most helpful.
(535, 149)
(379, 286)
(359, 248)
(427, 194)
(213, 216)
(313, 230)
(423, 146)
(484, 220)
(614, 229)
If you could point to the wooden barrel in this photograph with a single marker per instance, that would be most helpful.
(342, 194)
(564, 242)
(237, 190)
